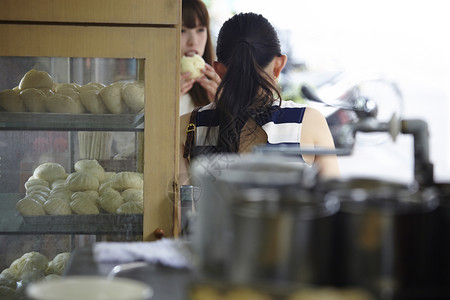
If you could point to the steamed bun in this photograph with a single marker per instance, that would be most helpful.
(63, 104)
(57, 206)
(84, 206)
(92, 167)
(127, 180)
(69, 92)
(33, 99)
(93, 102)
(36, 79)
(39, 197)
(193, 65)
(112, 98)
(133, 95)
(90, 195)
(50, 172)
(131, 208)
(29, 206)
(82, 181)
(58, 183)
(96, 86)
(47, 92)
(10, 100)
(36, 181)
(75, 97)
(38, 189)
(58, 264)
(133, 195)
(8, 280)
(29, 262)
(110, 200)
(61, 193)
(104, 186)
(60, 86)
(11, 274)
(108, 176)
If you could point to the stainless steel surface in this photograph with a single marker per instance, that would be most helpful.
(423, 168)
(117, 270)
(282, 235)
(189, 196)
(297, 151)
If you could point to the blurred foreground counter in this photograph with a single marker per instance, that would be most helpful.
(167, 266)
(167, 282)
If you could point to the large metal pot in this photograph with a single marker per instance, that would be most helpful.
(244, 207)
(386, 236)
(282, 235)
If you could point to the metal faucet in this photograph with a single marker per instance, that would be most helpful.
(366, 111)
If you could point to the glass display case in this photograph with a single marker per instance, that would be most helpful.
(75, 88)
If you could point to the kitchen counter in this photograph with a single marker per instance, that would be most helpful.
(171, 283)
(176, 283)
(167, 282)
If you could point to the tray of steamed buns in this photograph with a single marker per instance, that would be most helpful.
(37, 95)
(29, 268)
(89, 195)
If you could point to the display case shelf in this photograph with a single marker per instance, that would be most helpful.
(11, 222)
(73, 122)
(101, 224)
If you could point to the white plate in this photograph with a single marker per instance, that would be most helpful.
(89, 288)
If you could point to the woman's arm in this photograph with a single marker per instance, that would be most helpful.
(316, 134)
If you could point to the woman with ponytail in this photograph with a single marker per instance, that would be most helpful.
(248, 109)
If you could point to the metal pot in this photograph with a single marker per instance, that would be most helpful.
(282, 235)
(386, 236)
(233, 186)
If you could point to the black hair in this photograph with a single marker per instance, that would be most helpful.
(193, 10)
(246, 44)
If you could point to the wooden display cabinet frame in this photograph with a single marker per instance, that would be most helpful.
(146, 30)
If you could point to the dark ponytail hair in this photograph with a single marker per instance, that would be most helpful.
(191, 11)
(246, 44)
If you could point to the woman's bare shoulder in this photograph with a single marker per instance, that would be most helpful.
(315, 128)
(313, 114)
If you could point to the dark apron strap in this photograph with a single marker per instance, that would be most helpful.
(190, 134)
